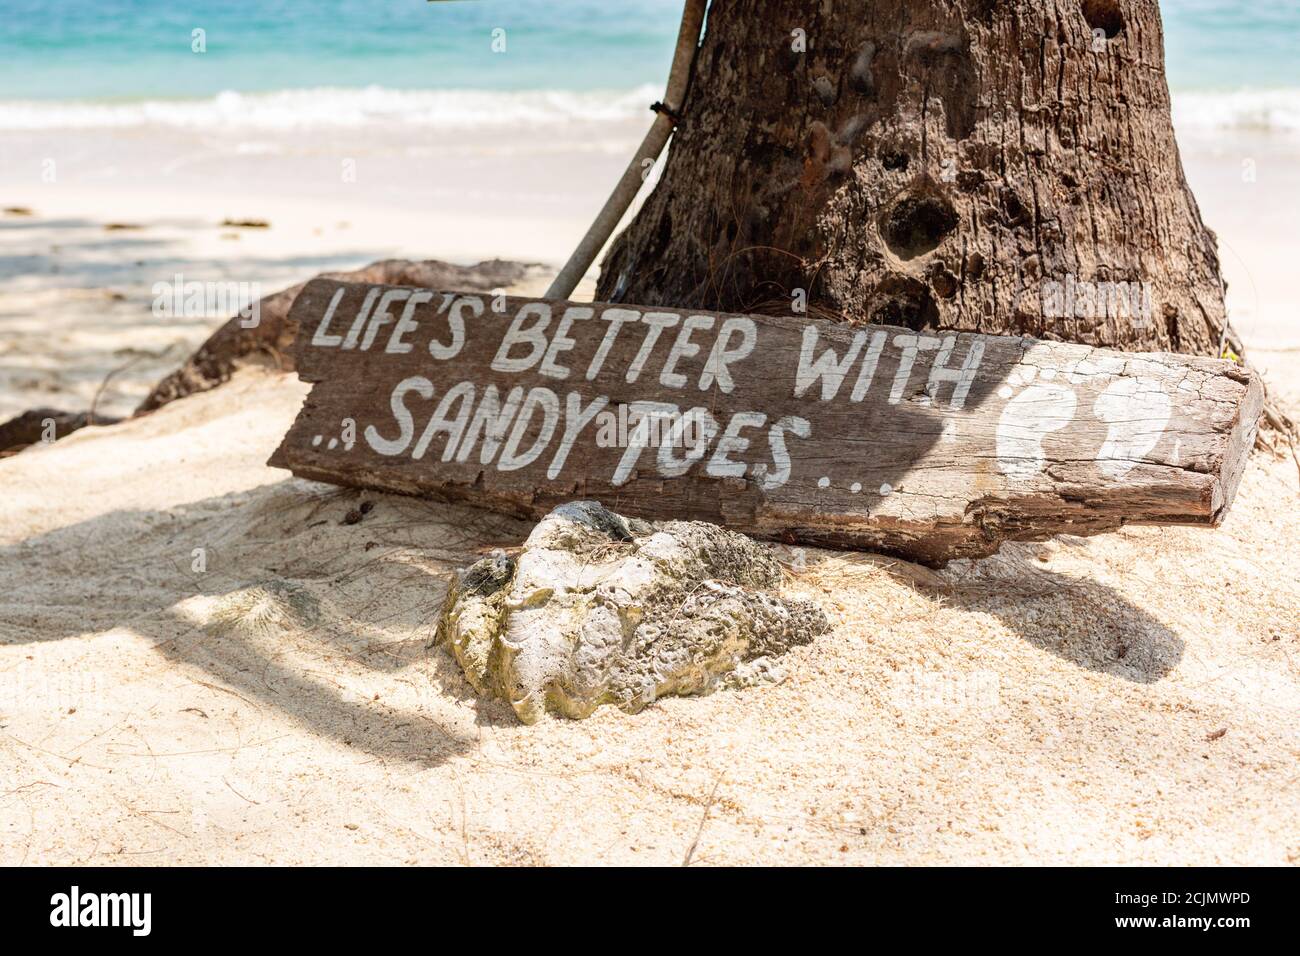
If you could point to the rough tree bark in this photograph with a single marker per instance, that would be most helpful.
(946, 164)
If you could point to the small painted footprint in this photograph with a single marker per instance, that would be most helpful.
(1033, 413)
(1137, 411)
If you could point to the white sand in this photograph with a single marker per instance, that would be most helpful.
(1059, 703)
(75, 299)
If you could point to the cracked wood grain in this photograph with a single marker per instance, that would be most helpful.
(928, 446)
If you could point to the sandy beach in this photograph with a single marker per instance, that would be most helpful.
(76, 288)
(79, 257)
(1131, 698)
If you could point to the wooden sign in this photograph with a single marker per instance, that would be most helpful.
(930, 446)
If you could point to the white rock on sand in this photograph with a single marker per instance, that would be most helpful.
(1132, 698)
(598, 608)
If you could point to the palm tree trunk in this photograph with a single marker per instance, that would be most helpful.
(1000, 166)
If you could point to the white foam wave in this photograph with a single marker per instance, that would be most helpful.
(336, 108)
(1271, 111)
(327, 108)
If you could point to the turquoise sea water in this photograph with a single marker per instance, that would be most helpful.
(1240, 58)
(126, 49)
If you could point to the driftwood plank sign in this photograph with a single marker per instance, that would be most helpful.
(931, 446)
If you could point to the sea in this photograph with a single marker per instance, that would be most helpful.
(286, 65)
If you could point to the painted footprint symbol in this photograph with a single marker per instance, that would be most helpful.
(1033, 413)
(1135, 410)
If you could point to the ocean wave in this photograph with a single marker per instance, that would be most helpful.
(327, 108)
(337, 108)
(1271, 111)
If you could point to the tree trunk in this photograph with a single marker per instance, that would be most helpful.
(998, 166)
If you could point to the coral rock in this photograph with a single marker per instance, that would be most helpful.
(602, 609)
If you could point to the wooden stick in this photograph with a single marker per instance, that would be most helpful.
(608, 218)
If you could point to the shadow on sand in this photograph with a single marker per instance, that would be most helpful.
(303, 595)
(299, 599)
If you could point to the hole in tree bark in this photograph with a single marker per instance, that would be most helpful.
(664, 234)
(1104, 15)
(942, 281)
(902, 300)
(894, 159)
(1171, 327)
(917, 224)
(1014, 208)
